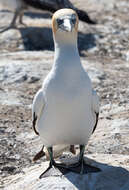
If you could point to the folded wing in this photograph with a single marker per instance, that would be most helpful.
(95, 108)
(37, 108)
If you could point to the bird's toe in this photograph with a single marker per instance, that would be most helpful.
(55, 170)
(83, 168)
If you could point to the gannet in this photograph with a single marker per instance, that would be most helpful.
(21, 6)
(65, 110)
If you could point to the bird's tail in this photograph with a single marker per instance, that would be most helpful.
(9, 4)
(84, 17)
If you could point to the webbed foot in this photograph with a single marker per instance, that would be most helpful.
(83, 168)
(55, 169)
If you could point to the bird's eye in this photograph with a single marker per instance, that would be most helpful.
(73, 20)
(60, 21)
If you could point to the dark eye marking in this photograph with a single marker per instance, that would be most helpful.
(73, 19)
(60, 21)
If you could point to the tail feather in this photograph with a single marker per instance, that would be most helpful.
(84, 17)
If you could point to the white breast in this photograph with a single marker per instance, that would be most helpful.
(67, 117)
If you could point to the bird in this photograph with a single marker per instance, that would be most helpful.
(21, 6)
(66, 109)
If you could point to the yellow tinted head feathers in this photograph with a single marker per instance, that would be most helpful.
(65, 20)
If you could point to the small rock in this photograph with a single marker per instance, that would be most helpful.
(9, 169)
(126, 56)
(33, 79)
(22, 78)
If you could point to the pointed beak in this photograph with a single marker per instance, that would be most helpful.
(67, 25)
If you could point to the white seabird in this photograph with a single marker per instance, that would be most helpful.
(65, 110)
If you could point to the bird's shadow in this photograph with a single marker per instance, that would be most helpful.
(37, 38)
(41, 38)
(110, 177)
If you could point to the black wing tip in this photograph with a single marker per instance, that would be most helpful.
(97, 118)
(34, 123)
(83, 16)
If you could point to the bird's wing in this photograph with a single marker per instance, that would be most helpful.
(37, 108)
(42, 5)
(54, 5)
(95, 108)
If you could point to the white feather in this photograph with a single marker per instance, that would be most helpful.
(95, 105)
(67, 116)
(38, 104)
(95, 101)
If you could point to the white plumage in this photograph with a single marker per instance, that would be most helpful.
(38, 104)
(66, 106)
(95, 104)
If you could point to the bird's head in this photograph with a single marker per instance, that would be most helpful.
(65, 23)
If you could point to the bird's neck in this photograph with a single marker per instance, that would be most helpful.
(66, 51)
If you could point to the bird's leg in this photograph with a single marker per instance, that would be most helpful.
(81, 167)
(81, 159)
(51, 163)
(13, 23)
(21, 18)
(85, 168)
(51, 170)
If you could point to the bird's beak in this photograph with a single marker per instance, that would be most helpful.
(67, 25)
